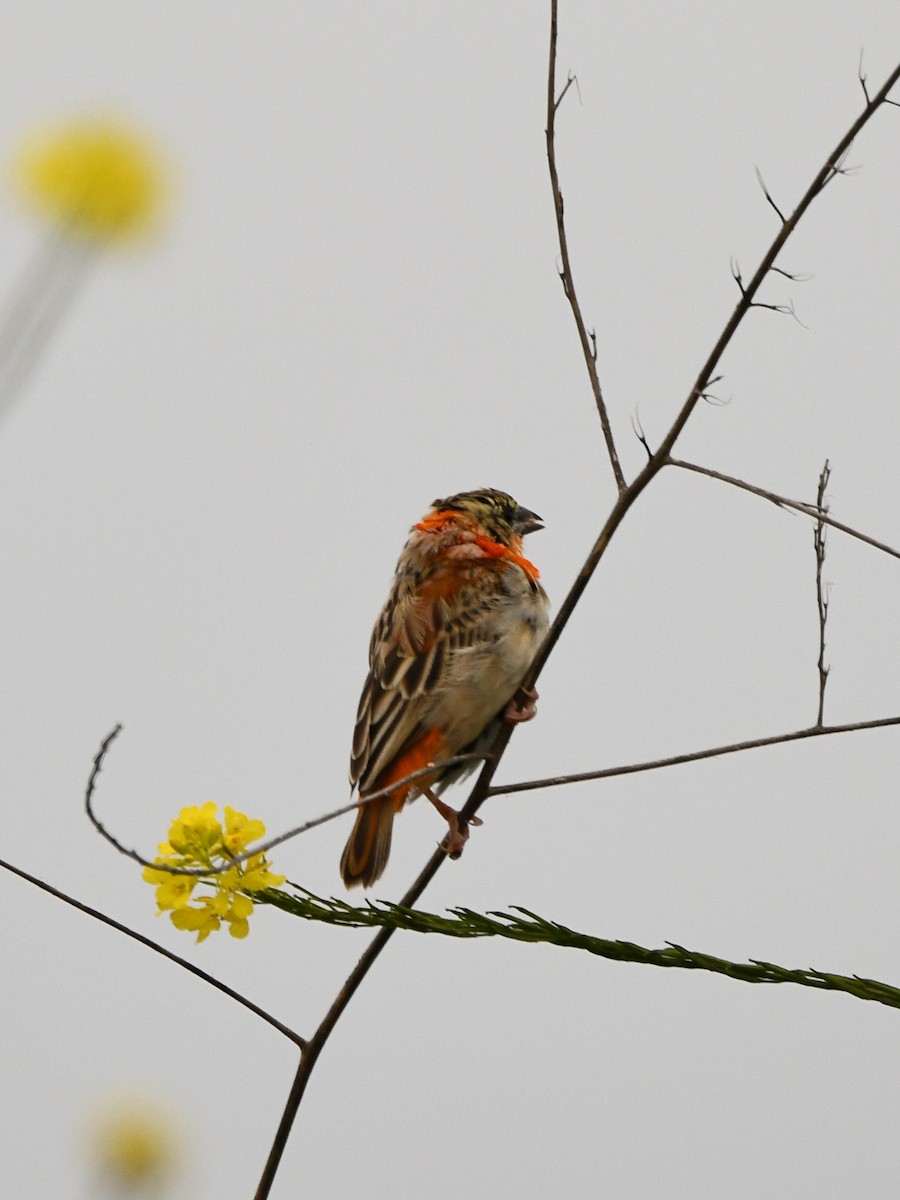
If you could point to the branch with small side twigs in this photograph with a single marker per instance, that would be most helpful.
(588, 340)
(522, 925)
(821, 596)
(628, 494)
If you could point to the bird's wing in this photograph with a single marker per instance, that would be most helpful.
(421, 626)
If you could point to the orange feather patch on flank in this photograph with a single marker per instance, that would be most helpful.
(428, 749)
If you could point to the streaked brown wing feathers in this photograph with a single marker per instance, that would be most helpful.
(413, 639)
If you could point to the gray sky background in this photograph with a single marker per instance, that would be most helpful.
(203, 492)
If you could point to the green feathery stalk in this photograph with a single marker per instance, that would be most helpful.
(523, 926)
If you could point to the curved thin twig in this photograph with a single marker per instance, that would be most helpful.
(207, 872)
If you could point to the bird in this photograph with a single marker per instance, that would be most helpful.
(448, 655)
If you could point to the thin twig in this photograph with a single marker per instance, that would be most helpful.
(675, 760)
(151, 945)
(263, 847)
(562, 95)
(821, 597)
(800, 506)
(767, 194)
(863, 77)
(588, 344)
(794, 276)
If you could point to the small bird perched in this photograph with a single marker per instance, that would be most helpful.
(448, 654)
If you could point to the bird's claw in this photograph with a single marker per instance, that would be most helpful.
(457, 828)
(522, 707)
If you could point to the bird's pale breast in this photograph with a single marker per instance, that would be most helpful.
(481, 678)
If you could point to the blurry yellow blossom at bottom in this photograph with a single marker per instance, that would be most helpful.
(133, 1146)
(197, 839)
(100, 179)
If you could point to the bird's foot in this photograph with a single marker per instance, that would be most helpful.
(522, 707)
(457, 829)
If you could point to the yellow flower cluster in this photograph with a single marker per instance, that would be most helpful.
(99, 179)
(197, 839)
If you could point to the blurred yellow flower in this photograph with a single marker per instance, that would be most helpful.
(100, 180)
(133, 1146)
(196, 839)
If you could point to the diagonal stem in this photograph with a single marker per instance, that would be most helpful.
(151, 945)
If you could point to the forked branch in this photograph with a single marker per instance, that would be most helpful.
(800, 506)
(628, 494)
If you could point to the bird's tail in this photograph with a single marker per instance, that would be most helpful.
(366, 853)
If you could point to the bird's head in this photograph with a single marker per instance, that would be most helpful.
(497, 513)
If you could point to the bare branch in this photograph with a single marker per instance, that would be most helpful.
(676, 760)
(588, 342)
(151, 945)
(821, 598)
(800, 506)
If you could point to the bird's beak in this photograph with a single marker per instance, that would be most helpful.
(527, 521)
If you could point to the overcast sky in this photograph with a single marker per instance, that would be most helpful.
(203, 491)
